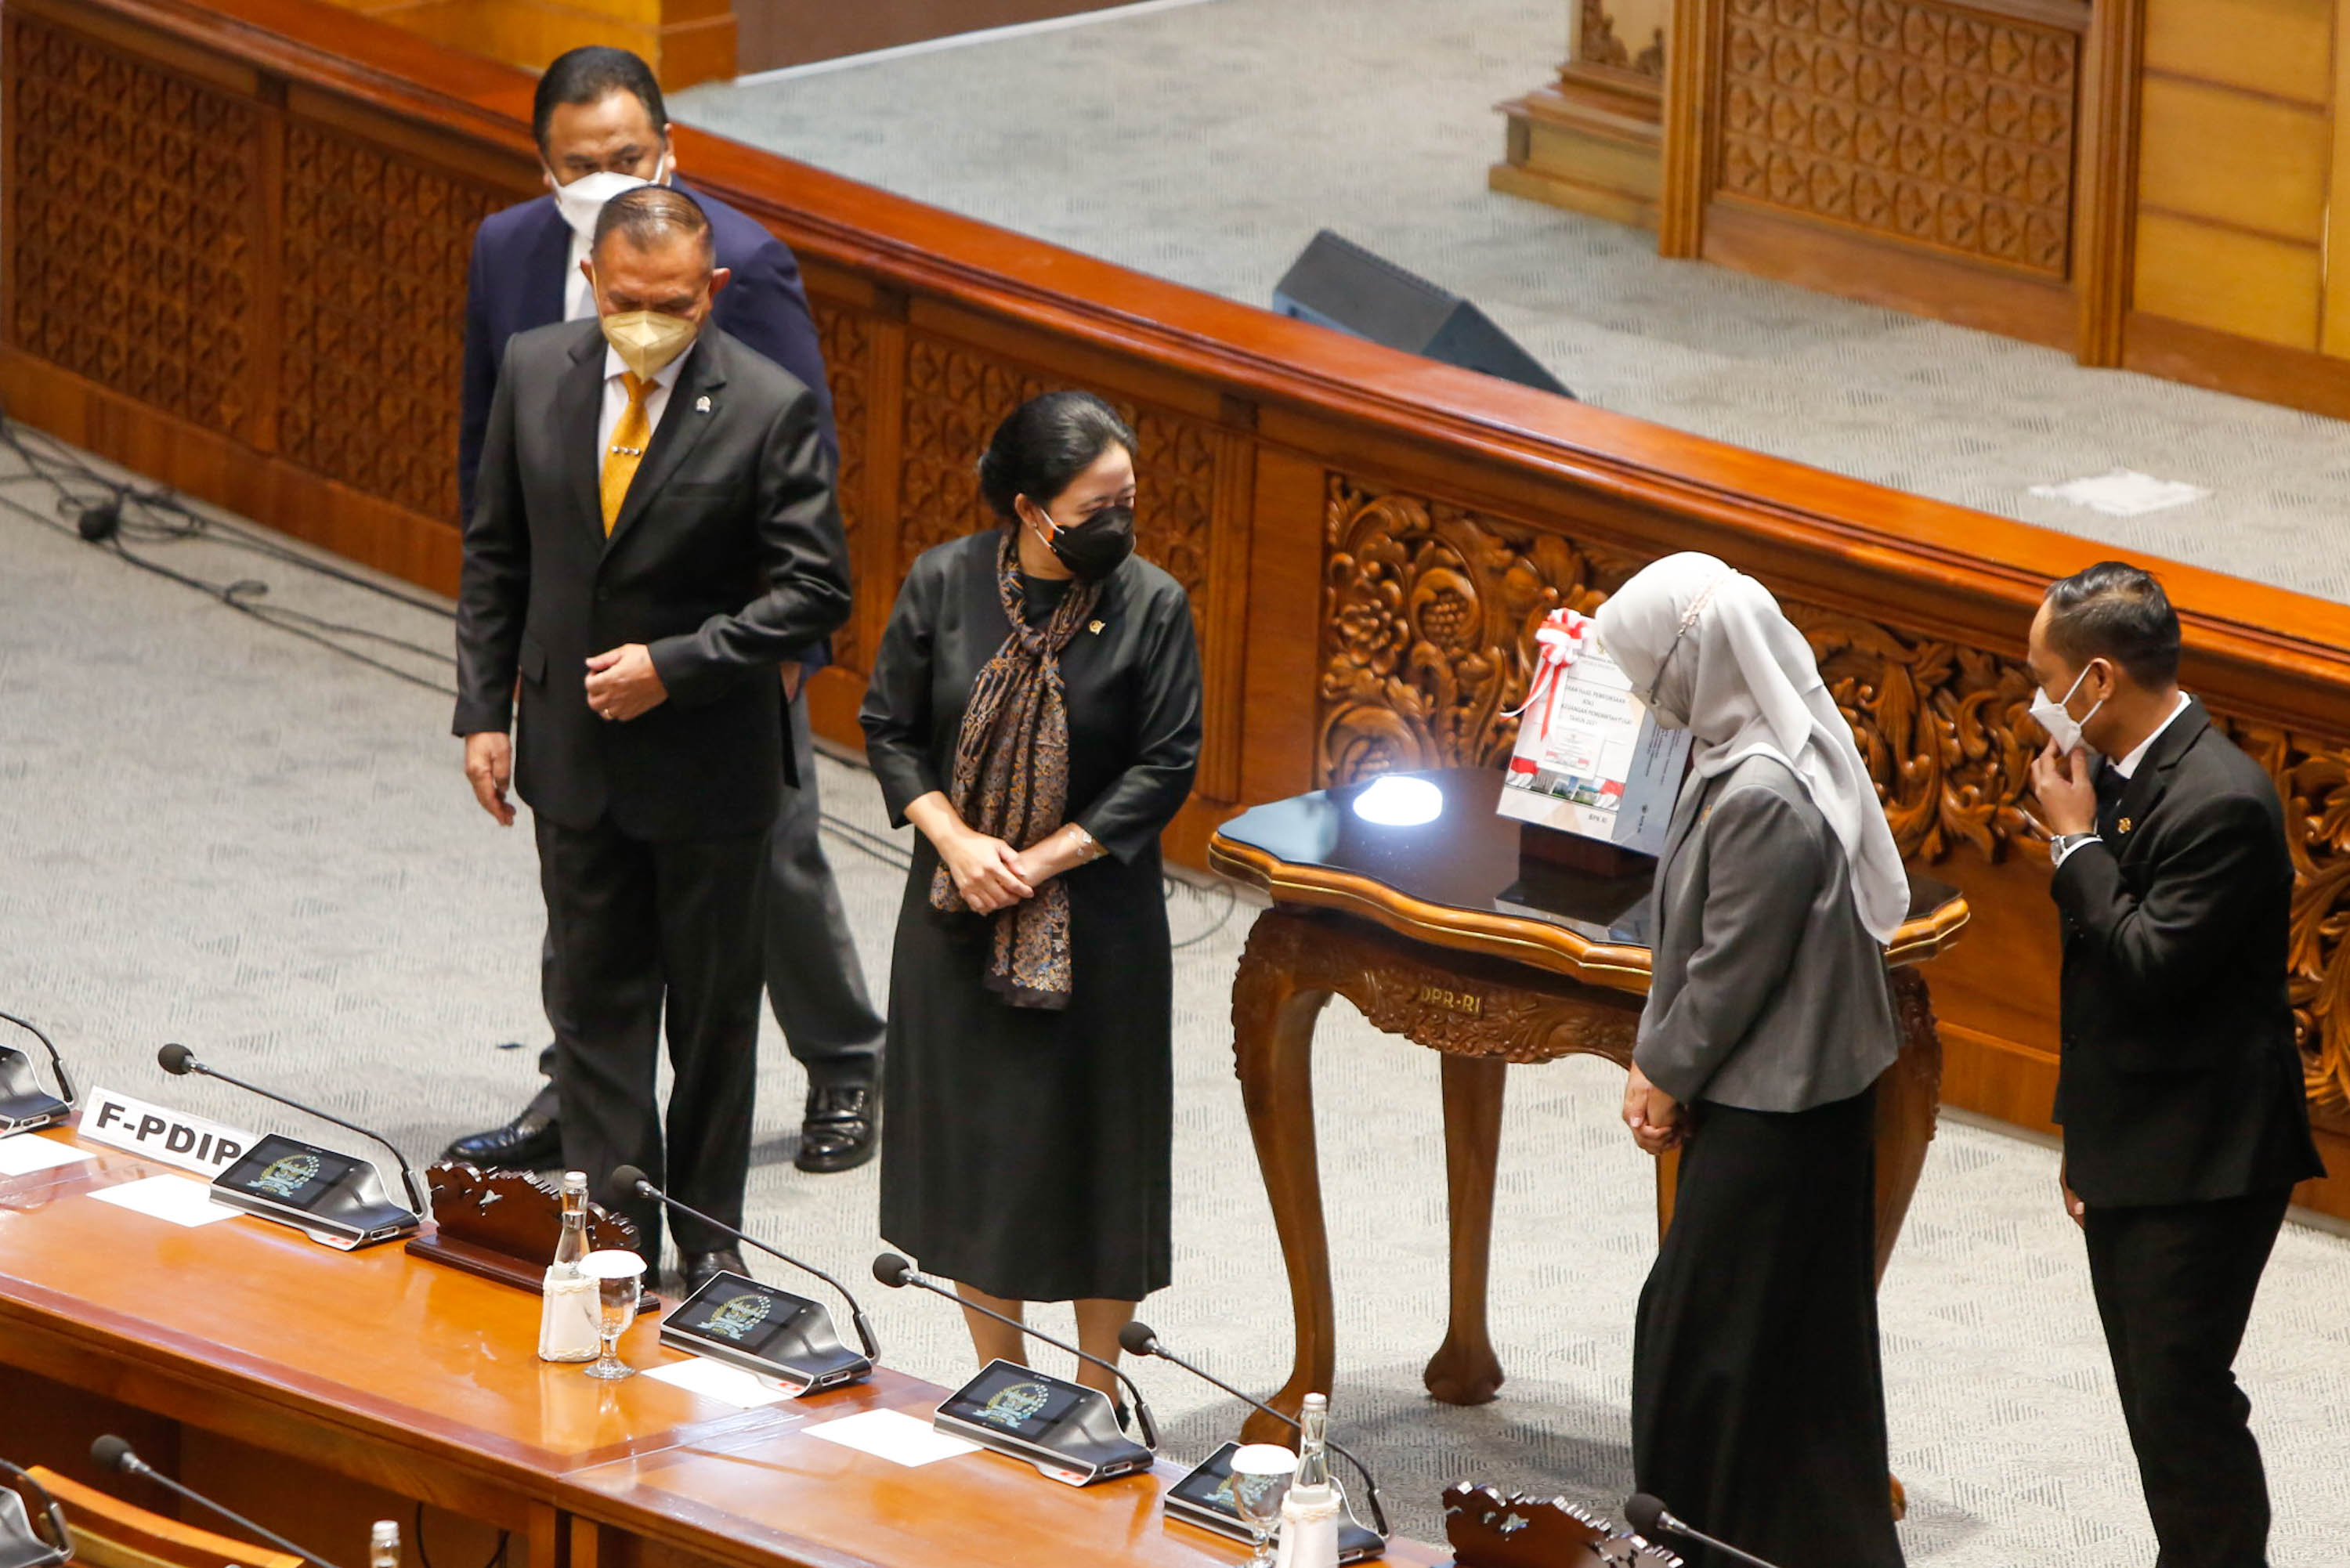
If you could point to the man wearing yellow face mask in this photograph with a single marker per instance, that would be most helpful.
(602, 128)
(655, 532)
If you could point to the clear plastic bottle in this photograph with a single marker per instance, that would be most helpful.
(1311, 1514)
(383, 1544)
(567, 1314)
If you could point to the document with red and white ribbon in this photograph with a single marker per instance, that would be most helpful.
(1590, 758)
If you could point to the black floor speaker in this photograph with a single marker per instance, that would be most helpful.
(1336, 283)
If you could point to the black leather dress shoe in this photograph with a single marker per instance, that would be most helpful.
(532, 1141)
(699, 1268)
(839, 1130)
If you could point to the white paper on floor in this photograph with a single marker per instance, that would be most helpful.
(173, 1198)
(893, 1436)
(2124, 493)
(29, 1152)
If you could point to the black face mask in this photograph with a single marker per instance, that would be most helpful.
(1099, 546)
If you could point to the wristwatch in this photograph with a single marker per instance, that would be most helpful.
(2063, 844)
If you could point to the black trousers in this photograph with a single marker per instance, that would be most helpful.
(1757, 1401)
(815, 982)
(646, 934)
(2175, 1284)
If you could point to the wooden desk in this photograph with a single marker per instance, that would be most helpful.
(1434, 934)
(317, 1390)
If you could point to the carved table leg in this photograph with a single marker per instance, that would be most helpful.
(1464, 1370)
(1272, 1042)
(1907, 1098)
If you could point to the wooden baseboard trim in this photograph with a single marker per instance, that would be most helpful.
(2224, 362)
(1886, 272)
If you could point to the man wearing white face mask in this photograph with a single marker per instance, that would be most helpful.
(602, 129)
(2179, 1086)
(656, 532)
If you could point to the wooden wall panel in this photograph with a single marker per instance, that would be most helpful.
(2234, 157)
(2280, 48)
(2229, 280)
(1367, 538)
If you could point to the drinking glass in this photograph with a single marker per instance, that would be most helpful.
(1261, 1476)
(619, 1277)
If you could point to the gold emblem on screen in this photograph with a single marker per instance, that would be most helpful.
(738, 1315)
(288, 1177)
(1011, 1406)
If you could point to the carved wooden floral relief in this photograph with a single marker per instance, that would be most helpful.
(1429, 613)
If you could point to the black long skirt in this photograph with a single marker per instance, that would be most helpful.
(1758, 1400)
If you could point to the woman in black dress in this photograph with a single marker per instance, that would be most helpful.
(1035, 713)
(1757, 1401)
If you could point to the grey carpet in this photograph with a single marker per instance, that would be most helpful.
(1207, 144)
(214, 832)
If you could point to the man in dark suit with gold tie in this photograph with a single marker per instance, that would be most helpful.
(2180, 1086)
(654, 531)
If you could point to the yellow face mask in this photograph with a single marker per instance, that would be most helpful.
(646, 340)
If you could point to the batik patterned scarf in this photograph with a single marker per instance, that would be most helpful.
(1011, 782)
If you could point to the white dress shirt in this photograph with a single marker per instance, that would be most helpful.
(616, 400)
(2127, 767)
(578, 298)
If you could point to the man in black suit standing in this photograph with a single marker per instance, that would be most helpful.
(2179, 1087)
(655, 533)
(602, 128)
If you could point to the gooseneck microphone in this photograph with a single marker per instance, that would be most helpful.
(627, 1181)
(1649, 1515)
(34, 1552)
(179, 1061)
(57, 1062)
(1137, 1339)
(896, 1273)
(111, 1453)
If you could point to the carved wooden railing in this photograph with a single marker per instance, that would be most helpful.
(235, 258)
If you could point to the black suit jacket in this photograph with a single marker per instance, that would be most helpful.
(522, 265)
(726, 556)
(2179, 1080)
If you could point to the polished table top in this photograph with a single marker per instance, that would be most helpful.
(1456, 880)
(399, 1351)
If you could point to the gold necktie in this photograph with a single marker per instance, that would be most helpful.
(630, 439)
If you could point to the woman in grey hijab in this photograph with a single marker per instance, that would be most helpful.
(1758, 1402)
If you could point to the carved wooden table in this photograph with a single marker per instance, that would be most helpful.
(1436, 935)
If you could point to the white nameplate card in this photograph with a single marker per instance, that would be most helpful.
(174, 1198)
(1590, 759)
(24, 1156)
(716, 1380)
(174, 1137)
(894, 1435)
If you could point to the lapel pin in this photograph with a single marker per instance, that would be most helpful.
(1094, 626)
(2126, 824)
(702, 405)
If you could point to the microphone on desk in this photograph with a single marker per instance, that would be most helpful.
(627, 1181)
(32, 1552)
(897, 1273)
(1649, 1515)
(179, 1061)
(1137, 1339)
(112, 1453)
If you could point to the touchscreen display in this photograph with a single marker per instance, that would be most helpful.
(1211, 1486)
(1014, 1400)
(740, 1314)
(287, 1172)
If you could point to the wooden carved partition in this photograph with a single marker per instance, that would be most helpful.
(235, 246)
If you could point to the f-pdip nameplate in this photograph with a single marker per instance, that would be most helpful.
(174, 1137)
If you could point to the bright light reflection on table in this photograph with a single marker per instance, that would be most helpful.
(1398, 802)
